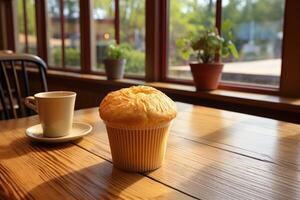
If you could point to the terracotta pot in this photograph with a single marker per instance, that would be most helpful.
(206, 76)
(114, 68)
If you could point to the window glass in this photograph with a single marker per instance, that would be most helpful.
(54, 33)
(257, 27)
(258, 31)
(186, 17)
(72, 33)
(132, 34)
(26, 42)
(103, 33)
(31, 26)
(21, 31)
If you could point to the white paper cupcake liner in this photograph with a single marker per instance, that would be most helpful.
(137, 149)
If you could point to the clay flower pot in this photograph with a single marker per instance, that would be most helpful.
(114, 68)
(206, 76)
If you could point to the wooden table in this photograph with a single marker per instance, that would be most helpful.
(211, 154)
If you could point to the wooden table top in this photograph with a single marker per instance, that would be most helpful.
(211, 154)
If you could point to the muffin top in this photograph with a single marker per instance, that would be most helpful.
(137, 106)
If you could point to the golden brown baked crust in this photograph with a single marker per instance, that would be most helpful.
(137, 106)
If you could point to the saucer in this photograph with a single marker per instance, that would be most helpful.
(79, 129)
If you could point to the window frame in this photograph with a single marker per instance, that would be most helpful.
(157, 16)
(222, 85)
(63, 66)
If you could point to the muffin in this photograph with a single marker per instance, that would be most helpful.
(137, 122)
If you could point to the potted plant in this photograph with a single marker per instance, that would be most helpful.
(114, 62)
(207, 48)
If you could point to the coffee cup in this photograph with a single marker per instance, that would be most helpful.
(55, 110)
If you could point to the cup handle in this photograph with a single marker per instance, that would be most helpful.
(30, 102)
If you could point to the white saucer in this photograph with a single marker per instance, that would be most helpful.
(79, 130)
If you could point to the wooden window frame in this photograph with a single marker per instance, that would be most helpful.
(63, 67)
(156, 64)
(87, 23)
(222, 85)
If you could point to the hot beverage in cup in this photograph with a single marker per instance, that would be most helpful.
(55, 111)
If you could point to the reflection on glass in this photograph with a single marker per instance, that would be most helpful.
(257, 30)
(103, 30)
(72, 33)
(54, 33)
(30, 47)
(186, 17)
(132, 34)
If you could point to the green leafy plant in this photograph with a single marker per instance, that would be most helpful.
(206, 46)
(135, 60)
(72, 56)
(115, 51)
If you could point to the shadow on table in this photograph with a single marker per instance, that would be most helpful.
(23, 145)
(100, 181)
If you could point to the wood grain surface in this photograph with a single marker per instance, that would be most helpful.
(211, 154)
(30, 170)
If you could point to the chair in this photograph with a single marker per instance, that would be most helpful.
(14, 82)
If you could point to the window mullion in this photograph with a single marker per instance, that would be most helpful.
(155, 51)
(10, 24)
(218, 22)
(290, 69)
(85, 35)
(164, 35)
(117, 22)
(219, 15)
(41, 29)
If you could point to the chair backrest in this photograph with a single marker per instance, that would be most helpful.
(13, 76)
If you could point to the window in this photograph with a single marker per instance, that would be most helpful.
(54, 33)
(103, 30)
(132, 34)
(72, 33)
(258, 31)
(186, 17)
(257, 27)
(27, 40)
(64, 33)
(127, 28)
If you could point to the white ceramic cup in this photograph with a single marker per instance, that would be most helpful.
(55, 110)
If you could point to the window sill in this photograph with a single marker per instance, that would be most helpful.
(272, 106)
(254, 99)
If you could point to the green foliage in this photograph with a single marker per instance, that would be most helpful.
(190, 15)
(135, 61)
(106, 5)
(72, 56)
(115, 51)
(57, 56)
(30, 9)
(132, 17)
(206, 45)
(186, 17)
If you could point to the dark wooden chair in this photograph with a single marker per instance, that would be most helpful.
(14, 82)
